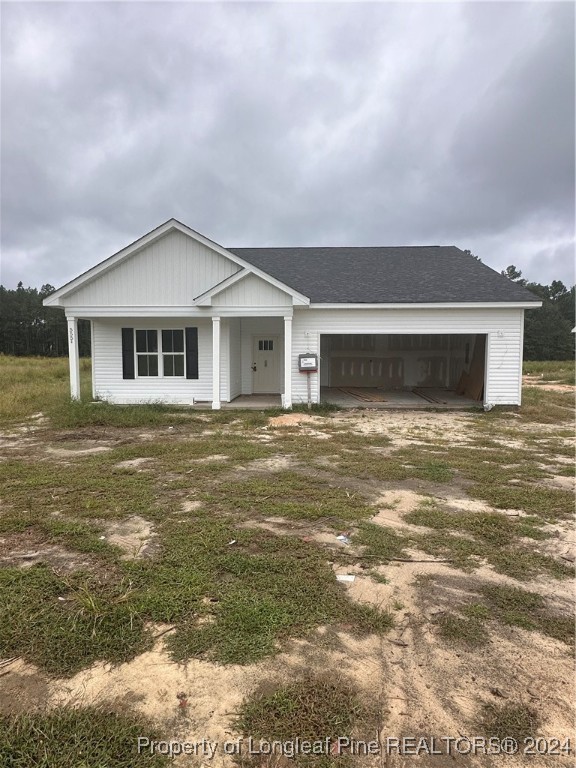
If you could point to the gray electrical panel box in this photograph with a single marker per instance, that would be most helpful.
(308, 363)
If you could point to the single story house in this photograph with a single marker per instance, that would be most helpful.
(177, 318)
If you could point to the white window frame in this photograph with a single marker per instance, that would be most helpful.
(173, 354)
(160, 354)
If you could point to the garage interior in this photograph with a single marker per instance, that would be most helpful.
(395, 370)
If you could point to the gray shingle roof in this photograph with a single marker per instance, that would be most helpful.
(404, 274)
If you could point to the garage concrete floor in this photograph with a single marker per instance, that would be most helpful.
(399, 398)
(255, 401)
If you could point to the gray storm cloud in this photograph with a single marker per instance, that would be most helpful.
(287, 124)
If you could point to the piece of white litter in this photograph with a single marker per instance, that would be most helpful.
(232, 542)
(345, 577)
(62, 599)
(102, 537)
(343, 539)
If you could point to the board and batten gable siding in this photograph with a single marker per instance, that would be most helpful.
(171, 271)
(108, 383)
(252, 291)
(503, 327)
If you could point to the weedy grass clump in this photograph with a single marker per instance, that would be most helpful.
(314, 708)
(509, 721)
(244, 599)
(64, 625)
(68, 737)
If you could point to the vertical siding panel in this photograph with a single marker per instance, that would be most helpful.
(172, 271)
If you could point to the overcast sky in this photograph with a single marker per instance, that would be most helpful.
(287, 124)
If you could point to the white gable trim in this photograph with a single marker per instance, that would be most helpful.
(172, 224)
(205, 299)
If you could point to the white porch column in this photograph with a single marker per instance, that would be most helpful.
(287, 398)
(215, 363)
(73, 358)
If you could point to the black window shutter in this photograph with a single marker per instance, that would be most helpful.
(127, 353)
(191, 353)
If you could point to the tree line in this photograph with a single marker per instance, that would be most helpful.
(29, 328)
(547, 330)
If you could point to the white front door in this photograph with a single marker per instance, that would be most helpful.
(266, 365)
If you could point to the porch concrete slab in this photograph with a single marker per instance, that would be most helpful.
(400, 398)
(258, 402)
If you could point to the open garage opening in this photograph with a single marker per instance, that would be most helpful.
(410, 370)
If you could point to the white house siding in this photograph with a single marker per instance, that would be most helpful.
(252, 291)
(504, 328)
(169, 272)
(108, 383)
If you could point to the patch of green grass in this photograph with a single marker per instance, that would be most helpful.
(64, 626)
(289, 495)
(561, 371)
(468, 631)
(78, 535)
(379, 578)
(566, 471)
(87, 737)
(317, 409)
(518, 607)
(516, 561)
(380, 541)
(400, 465)
(84, 413)
(511, 606)
(544, 407)
(30, 385)
(260, 590)
(312, 708)
(510, 720)
(476, 611)
(547, 503)
(493, 528)
(523, 564)
(42, 487)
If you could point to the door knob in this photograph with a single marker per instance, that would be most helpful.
(253, 366)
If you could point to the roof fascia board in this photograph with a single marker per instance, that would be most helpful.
(435, 305)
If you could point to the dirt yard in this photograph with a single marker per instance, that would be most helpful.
(173, 570)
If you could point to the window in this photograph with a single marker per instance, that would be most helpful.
(147, 353)
(266, 345)
(173, 353)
